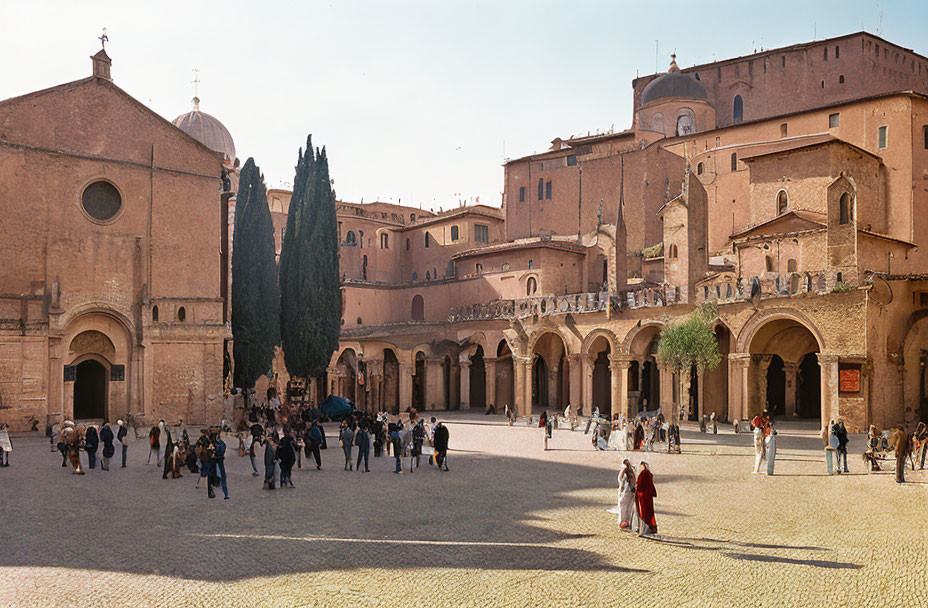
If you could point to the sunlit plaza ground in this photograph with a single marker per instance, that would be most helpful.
(509, 525)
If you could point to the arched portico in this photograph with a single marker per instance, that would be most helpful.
(548, 376)
(649, 388)
(781, 367)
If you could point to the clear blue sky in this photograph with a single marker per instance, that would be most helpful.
(415, 101)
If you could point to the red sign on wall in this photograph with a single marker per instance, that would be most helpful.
(849, 380)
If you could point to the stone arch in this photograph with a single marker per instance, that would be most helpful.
(608, 334)
(639, 330)
(540, 332)
(914, 372)
(550, 384)
(761, 318)
(101, 335)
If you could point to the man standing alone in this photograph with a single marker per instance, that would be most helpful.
(106, 437)
(442, 437)
(899, 440)
(346, 439)
(122, 436)
(363, 440)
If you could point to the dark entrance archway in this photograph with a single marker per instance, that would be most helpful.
(505, 377)
(446, 379)
(776, 387)
(540, 382)
(810, 388)
(90, 390)
(391, 381)
(478, 380)
(602, 384)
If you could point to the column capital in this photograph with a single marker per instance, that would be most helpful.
(620, 360)
(826, 358)
(790, 368)
(739, 359)
(574, 357)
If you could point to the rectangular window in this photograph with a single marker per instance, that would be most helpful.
(548, 190)
(572, 160)
(834, 120)
(837, 51)
(925, 135)
(734, 161)
(455, 233)
(541, 189)
(826, 53)
(783, 130)
(479, 268)
(522, 194)
(881, 137)
(481, 233)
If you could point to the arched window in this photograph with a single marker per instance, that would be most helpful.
(350, 239)
(361, 238)
(181, 314)
(428, 275)
(531, 286)
(841, 79)
(454, 233)
(407, 244)
(734, 161)
(522, 194)
(700, 168)
(541, 189)
(791, 265)
(782, 202)
(845, 214)
(672, 252)
(605, 272)
(384, 240)
(154, 313)
(548, 190)
(418, 308)
(738, 111)
(427, 240)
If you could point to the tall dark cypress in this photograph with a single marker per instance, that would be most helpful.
(310, 294)
(255, 295)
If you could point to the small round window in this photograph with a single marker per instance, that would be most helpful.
(101, 201)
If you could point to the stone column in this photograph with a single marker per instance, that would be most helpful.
(454, 385)
(434, 384)
(588, 364)
(465, 383)
(668, 405)
(575, 371)
(738, 364)
(405, 381)
(791, 371)
(700, 394)
(618, 366)
(489, 367)
(522, 386)
(552, 387)
(829, 366)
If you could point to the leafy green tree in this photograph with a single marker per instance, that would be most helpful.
(310, 291)
(255, 296)
(691, 342)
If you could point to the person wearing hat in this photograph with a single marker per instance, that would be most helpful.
(106, 438)
(122, 436)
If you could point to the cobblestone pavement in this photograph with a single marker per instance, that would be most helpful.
(510, 525)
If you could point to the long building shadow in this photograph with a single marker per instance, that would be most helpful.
(485, 514)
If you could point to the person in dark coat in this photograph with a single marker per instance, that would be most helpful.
(270, 462)
(91, 444)
(346, 438)
(418, 438)
(286, 454)
(168, 458)
(442, 437)
(217, 464)
(316, 439)
(122, 437)
(107, 437)
(363, 440)
(839, 432)
(645, 495)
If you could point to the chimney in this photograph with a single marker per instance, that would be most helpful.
(101, 65)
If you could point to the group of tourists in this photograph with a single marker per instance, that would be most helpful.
(892, 443)
(638, 433)
(72, 439)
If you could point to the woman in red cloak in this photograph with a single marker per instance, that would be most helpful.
(645, 494)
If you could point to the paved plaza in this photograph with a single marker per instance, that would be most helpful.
(509, 525)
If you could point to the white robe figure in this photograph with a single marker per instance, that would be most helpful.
(758, 448)
(626, 500)
(629, 433)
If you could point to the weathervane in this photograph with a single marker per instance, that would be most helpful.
(103, 38)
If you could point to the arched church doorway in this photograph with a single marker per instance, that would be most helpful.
(347, 366)
(478, 380)
(89, 390)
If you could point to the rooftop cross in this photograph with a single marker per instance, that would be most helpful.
(103, 38)
(196, 88)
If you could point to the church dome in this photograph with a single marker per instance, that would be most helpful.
(673, 84)
(207, 130)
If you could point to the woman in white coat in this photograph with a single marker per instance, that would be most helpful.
(626, 495)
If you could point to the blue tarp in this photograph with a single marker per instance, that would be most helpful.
(336, 407)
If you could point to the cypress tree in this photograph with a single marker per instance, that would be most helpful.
(255, 296)
(310, 294)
